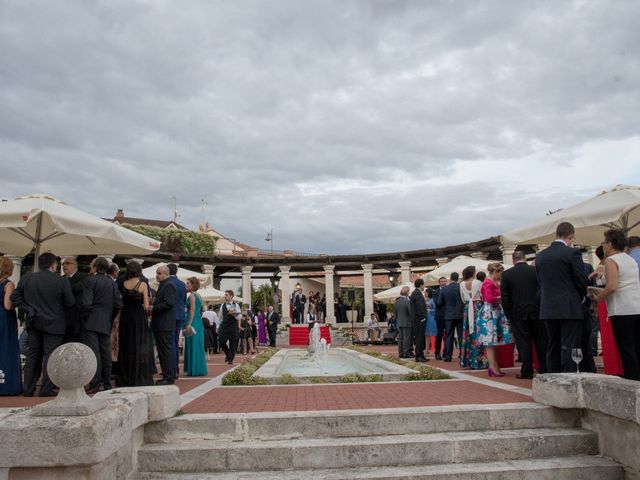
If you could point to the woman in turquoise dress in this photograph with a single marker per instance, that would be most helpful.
(472, 353)
(195, 362)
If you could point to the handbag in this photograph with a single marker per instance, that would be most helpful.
(188, 331)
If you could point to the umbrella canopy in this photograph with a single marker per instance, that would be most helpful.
(618, 207)
(391, 294)
(456, 265)
(41, 223)
(213, 295)
(183, 274)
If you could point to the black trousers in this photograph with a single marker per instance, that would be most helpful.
(164, 345)
(404, 342)
(73, 333)
(440, 324)
(100, 344)
(228, 340)
(272, 331)
(626, 329)
(587, 364)
(418, 332)
(452, 326)
(40, 345)
(563, 336)
(526, 329)
(595, 331)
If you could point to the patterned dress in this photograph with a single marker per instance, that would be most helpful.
(472, 352)
(491, 323)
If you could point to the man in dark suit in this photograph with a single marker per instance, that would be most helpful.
(439, 318)
(163, 324)
(44, 296)
(451, 301)
(418, 318)
(299, 301)
(563, 285)
(181, 313)
(272, 325)
(521, 304)
(231, 316)
(76, 278)
(402, 313)
(100, 303)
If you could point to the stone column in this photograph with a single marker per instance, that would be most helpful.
(405, 271)
(480, 255)
(208, 271)
(285, 288)
(507, 252)
(17, 266)
(368, 289)
(592, 258)
(246, 284)
(328, 293)
(442, 260)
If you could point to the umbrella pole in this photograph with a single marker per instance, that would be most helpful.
(38, 239)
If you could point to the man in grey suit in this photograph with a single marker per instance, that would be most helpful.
(100, 302)
(402, 312)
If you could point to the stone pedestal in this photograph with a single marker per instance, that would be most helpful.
(328, 293)
(368, 289)
(405, 272)
(246, 284)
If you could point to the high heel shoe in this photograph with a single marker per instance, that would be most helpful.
(493, 373)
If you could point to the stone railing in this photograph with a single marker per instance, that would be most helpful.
(610, 407)
(74, 436)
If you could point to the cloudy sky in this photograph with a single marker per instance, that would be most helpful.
(346, 126)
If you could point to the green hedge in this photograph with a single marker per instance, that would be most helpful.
(243, 374)
(423, 372)
(178, 241)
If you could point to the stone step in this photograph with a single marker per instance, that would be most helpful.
(361, 451)
(552, 468)
(353, 423)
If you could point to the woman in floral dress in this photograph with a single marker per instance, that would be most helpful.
(472, 353)
(492, 325)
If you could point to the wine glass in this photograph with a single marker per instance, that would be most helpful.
(576, 356)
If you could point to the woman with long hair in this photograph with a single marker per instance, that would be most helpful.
(9, 348)
(195, 362)
(472, 353)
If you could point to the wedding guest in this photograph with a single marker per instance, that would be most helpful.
(272, 325)
(228, 332)
(75, 278)
(163, 324)
(453, 312)
(262, 328)
(195, 362)
(9, 347)
(492, 325)
(212, 317)
(373, 325)
(610, 354)
(419, 318)
(180, 311)
(312, 318)
(113, 271)
(48, 294)
(431, 330)
(634, 250)
(402, 313)
(440, 323)
(244, 334)
(100, 303)
(472, 353)
(622, 293)
(135, 353)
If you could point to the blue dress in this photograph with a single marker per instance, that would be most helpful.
(195, 362)
(9, 349)
(431, 330)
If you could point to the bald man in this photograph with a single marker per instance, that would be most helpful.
(163, 323)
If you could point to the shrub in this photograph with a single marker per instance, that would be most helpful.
(424, 372)
(359, 378)
(178, 241)
(243, 374)
(319, 380)
(288, 379)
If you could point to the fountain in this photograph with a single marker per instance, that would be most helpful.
(319, 347)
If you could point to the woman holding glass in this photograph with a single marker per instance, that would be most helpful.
(622, 294)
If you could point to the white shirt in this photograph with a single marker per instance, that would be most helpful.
(212, 317)
(626, 299)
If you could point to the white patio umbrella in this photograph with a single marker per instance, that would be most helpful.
(213, 295)
(456, 265)
(42, 223)
(618, 207)
(183, 274)
(392, 293)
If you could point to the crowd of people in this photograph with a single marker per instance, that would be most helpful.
(121, 318)
(552, 310)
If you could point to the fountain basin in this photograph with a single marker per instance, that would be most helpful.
(340, 361)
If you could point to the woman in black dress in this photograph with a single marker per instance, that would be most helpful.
(135, 357)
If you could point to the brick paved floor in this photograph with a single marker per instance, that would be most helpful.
(349, 396)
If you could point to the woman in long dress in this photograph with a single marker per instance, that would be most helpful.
(135, 352)
(472, 353)
(195, 362)
(431, 329)
(9, 348)
(492, 325)
(262, 328)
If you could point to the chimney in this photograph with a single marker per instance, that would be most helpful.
(120, 214)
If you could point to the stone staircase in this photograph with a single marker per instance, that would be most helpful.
(511, 441)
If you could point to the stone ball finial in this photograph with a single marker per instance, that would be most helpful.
(72, 366)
